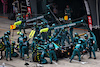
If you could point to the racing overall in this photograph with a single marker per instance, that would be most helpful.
(51, 51)
(77, 50)
(25, 48)
(8, 49)
(91, 48)
(20, 41)
(22, 25)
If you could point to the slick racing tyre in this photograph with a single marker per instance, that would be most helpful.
(59, 54)
(36, 57)
(2, 46)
